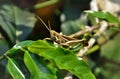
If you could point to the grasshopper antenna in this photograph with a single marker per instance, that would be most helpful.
(49, 24)
(43, 23)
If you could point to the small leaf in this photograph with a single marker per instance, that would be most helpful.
(104, 15)
(63, 58)
(36, 73)
(14, 70)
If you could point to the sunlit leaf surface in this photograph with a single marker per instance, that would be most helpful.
(63, 58)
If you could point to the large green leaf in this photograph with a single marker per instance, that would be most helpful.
(14, 70)
(104, 15)
(63, 58)
(36, 73)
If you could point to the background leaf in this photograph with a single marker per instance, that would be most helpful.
(111, 58)
(12, 26)
(25, 23)
(74, 25)
(7, 23)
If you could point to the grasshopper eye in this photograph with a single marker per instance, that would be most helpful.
(85, 43)
(53, 38)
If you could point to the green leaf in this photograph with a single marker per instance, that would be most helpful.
(36, 73)
(23, 44)
(63, 58)
(41, 44)
(14, 70)
(16, 48)
(75, 66)
(44, 66)
(104, 15)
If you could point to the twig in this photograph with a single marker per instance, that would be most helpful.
(68, 76)
(90, 29)
(93, 5)
(1, 37)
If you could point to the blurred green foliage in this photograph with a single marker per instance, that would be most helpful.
(43, 60)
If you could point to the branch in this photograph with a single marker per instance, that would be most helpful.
(90, 29)
(103, 27)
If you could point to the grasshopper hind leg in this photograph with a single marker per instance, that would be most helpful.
(48, 39)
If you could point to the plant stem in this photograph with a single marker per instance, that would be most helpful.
(44, 4)
(2, 57)
(93, 49)
(84, 31)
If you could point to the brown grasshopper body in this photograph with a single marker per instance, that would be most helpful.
(60, 39)
(64, 40)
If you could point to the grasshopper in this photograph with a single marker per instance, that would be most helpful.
(60, 39)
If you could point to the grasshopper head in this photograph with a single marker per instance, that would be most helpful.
(53, 35)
